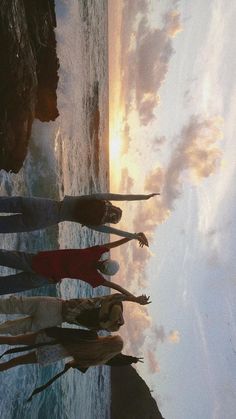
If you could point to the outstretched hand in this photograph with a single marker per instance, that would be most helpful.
(143, 300)
(143, 241)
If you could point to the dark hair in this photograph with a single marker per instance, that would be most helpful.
(93, 212)
(113, 214)
(90, 211)
(90, 318)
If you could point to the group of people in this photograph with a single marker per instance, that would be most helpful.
(39, 333)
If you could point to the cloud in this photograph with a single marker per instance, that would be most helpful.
(147, 105)
(126, 182)
(174, 336)
(126, 139)
(172, 23)
(151, 59)
(153, 364)
(146, 53)
(158, 142)
(135, 330)
(155, 180)
(197, 154)
(132, 275)
(149, 216)
(159, 334)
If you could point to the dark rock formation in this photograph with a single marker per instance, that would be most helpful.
(28, 74)
(131, 397)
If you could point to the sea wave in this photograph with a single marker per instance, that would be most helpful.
(68, 156)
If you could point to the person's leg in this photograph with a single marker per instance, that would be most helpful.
(21, 282)
(11, 223)
(11, 204)
(16, 327)
(16, 260)
(43, 312)
(21, 305)
(48, 313)
(29, 358)
(31, 213)
(28, 339)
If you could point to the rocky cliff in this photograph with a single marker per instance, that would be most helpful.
(28, 74)
(131, 397)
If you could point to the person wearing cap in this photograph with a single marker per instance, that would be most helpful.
(50, 267)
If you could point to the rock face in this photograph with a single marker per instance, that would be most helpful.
(28, 74)
(131, 397)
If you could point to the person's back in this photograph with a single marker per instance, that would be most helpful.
(89, 211)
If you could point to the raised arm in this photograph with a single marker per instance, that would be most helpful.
(117, 243)
(113, 230)
(139, 236)
(141, 299)
(117, 287)
(122, 197)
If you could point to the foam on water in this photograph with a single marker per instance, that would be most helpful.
(65, 157)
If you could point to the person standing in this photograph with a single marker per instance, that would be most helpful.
(50, 267)
(93, 211)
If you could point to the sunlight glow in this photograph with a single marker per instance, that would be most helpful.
(115, 145)
(115, 148)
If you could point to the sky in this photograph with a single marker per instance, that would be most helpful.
(172, 102)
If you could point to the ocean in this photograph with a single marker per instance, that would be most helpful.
(65, 157)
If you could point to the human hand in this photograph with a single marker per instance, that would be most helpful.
(142, 239)
(143, 300)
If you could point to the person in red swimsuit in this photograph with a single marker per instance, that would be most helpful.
(50, 267)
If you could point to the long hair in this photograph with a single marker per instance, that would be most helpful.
(88, 353)
(102, 318)
(90, 211)
(95, 352)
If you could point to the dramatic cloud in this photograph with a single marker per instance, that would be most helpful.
(149, 63)
(196, 154)
(134, 331)
(146, 53)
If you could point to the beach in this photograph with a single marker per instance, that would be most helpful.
(66, 157)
